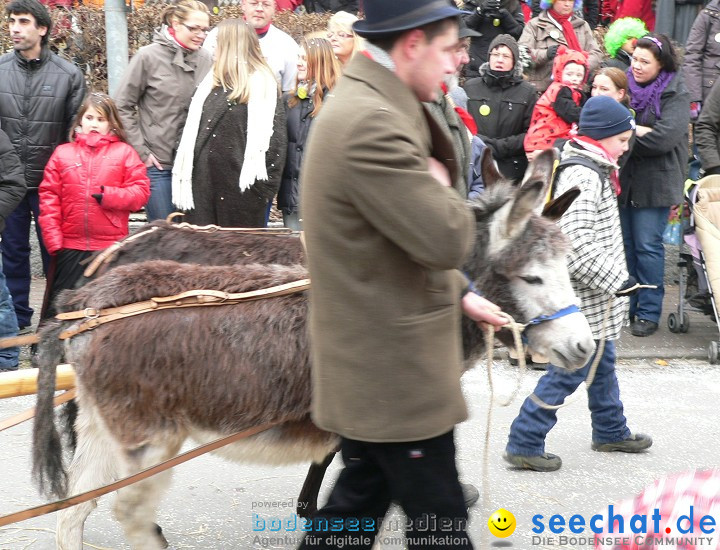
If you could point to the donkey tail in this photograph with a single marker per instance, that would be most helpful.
(48, 470)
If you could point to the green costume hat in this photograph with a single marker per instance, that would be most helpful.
(620, 31)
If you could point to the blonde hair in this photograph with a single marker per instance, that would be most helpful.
(343, 21)
(322, 67)
(181, 10)
(237, 56)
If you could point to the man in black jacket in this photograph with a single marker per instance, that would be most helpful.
(39, 96)
(322, 6)
(12, 190)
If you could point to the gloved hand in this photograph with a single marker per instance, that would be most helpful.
(695, 108)
(552, 52)
(492, 8)
(628, 288)
(99, 196)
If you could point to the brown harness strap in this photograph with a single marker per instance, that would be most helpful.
(30, 413)
(124, 482)
(190, 298)
(106, 254)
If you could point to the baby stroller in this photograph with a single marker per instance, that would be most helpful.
(704, 203)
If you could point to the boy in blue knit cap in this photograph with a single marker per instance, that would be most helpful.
(600, 278)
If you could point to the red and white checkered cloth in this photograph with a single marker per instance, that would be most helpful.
(672, 496)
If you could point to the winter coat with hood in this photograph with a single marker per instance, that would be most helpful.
(701, 64)
(501, 105)
(38, 101)
(655, 171)
(70, 217)
(511, 21)
(546, 125)
(155, 93)
(542, 32)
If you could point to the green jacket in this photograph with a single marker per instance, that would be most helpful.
(384, 240)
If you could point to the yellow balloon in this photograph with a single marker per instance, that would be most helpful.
(501, 523)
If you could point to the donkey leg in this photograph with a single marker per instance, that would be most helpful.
(136, 505)
(307, 500)
(93, 465)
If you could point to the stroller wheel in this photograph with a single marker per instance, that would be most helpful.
(713, 353)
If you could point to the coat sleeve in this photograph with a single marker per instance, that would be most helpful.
(127, 98)
(707, 130)
(134, 191)
(588, 262)
(670, 129)
(595, 54)
(476, 185)
(276, 154)
(393, 189)
(565, 106)
(528, 38)
(12, 178)
(49, 193)
(694, 50)
(74, 100)
(513, 23)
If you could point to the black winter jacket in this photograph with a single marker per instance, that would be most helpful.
(502, 125)
(511, 21)
(38, 101)
(620, 61)
(298, 126)
(655, 171)
(12, 181)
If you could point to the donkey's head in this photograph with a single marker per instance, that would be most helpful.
(520, 260)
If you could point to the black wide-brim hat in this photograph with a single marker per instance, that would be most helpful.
(385, 17)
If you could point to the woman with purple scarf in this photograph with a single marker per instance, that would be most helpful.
(652, 179)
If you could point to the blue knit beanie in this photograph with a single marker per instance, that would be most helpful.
(602, 117)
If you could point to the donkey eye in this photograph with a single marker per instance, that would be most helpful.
(532, 280)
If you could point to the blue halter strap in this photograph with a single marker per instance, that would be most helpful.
(544, 318)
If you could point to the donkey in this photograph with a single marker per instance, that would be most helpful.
(147, 383)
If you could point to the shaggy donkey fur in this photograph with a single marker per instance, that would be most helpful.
(146, 383)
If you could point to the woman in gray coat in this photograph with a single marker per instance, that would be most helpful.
(652, 180)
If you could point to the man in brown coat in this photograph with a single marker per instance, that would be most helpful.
(385, 234)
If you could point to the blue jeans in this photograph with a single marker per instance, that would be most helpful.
(8, 327)
(160, 205)
(642, 230)
(529, 429)
(16, 255)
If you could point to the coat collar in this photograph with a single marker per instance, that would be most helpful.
(182, 58)
(32, 64)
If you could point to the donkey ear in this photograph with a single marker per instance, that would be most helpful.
(558, 206)
(490, 173)
(542, 168)
(523, 205)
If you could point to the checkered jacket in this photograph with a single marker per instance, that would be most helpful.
(597, 259)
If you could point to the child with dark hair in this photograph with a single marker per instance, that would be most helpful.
(89, 189)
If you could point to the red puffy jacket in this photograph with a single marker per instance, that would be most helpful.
(69, 216)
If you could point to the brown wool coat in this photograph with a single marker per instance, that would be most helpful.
(384, 240)
(540, 33)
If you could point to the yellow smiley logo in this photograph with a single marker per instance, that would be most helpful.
(501, 523)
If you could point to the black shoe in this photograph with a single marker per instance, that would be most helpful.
(470, 494)
(643, 327)
(633, 444)
(546, 462)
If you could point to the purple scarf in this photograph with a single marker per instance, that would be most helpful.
(642, 97)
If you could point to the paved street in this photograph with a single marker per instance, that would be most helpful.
(668, 388)
(212, 502)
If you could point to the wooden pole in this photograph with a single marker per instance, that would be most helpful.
(24, 381)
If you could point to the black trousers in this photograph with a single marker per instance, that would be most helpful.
(420, 476)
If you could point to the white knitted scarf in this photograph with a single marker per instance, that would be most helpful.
(261, 114)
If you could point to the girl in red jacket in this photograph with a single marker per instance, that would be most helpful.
(89, 188)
